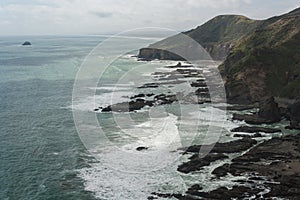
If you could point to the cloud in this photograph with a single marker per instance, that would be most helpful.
(102, 14)
(215, 3)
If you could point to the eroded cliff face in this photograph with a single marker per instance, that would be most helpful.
(247, 86)
(218, 37)
(266, 62)
(153, 54)
(261, 58)
(217, 52)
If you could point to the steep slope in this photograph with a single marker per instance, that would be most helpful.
(266, 61)
(217, 36)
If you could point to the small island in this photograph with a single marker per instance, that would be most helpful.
(26, 43)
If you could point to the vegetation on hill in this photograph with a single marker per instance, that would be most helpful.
(266, 62)
(217, 36)
(261, 58)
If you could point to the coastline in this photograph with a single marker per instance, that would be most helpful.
(268, 164)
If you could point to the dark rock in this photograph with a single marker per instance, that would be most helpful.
(237, 91)
(126, 106)
(237, 192)
(194, 189)
(26, 43)
(189, 72)
(256, 135)
(255, 129)
(185, 197)
(96, 109)
(149, 103)
(238, 107)
(179, 65)
(256, 67)
(149, 95)
(138, 103)
(293, 126)
(268, 109)
(283, 154)
(162, 99)
(149, 54)
(106, 109)
(293, 111)
(162, 195)
(152, 198)
(137, 96)
(149, 85)
(251, 119)
(201, 91)
(229, 147)
(196, 163)
(142, 148)
(221, 171)
(199, 83)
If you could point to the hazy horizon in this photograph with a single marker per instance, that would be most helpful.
(94, 17)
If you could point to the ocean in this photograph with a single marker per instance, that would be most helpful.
(52, 149)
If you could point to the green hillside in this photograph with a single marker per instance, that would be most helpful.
(266, 61)
(261, 58)
(218, 36)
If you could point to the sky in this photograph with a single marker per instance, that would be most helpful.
(84, 17)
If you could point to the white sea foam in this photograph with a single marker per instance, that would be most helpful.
(160, 135)
(114, 94)
(125, 173)
(109, 184)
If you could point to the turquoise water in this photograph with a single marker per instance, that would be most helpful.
(42, 155)
(40, 148)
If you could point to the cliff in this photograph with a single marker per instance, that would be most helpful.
(266, 62)
(261, 58)
(218, 36)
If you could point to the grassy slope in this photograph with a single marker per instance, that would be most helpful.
(214, 34)
(223, 28)
(275, 47)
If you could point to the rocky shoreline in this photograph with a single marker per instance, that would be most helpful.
(270, 168)
(178, 75)
(256, 72)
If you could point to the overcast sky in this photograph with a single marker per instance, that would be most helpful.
(47, 17)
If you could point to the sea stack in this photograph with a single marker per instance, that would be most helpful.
(26, 43)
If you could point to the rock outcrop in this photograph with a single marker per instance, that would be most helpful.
(277, 160)
(269, 109)
(26, 43)
(270, 170)
(261, 58)
(294, 115)
(218, 36)
(269, 112)
(265, 62)
(148, 54)
(218, 151)
(255, 129)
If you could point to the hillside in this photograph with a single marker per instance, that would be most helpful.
(266, 62)
(218, 36)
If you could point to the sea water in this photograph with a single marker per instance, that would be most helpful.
(42, 155)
